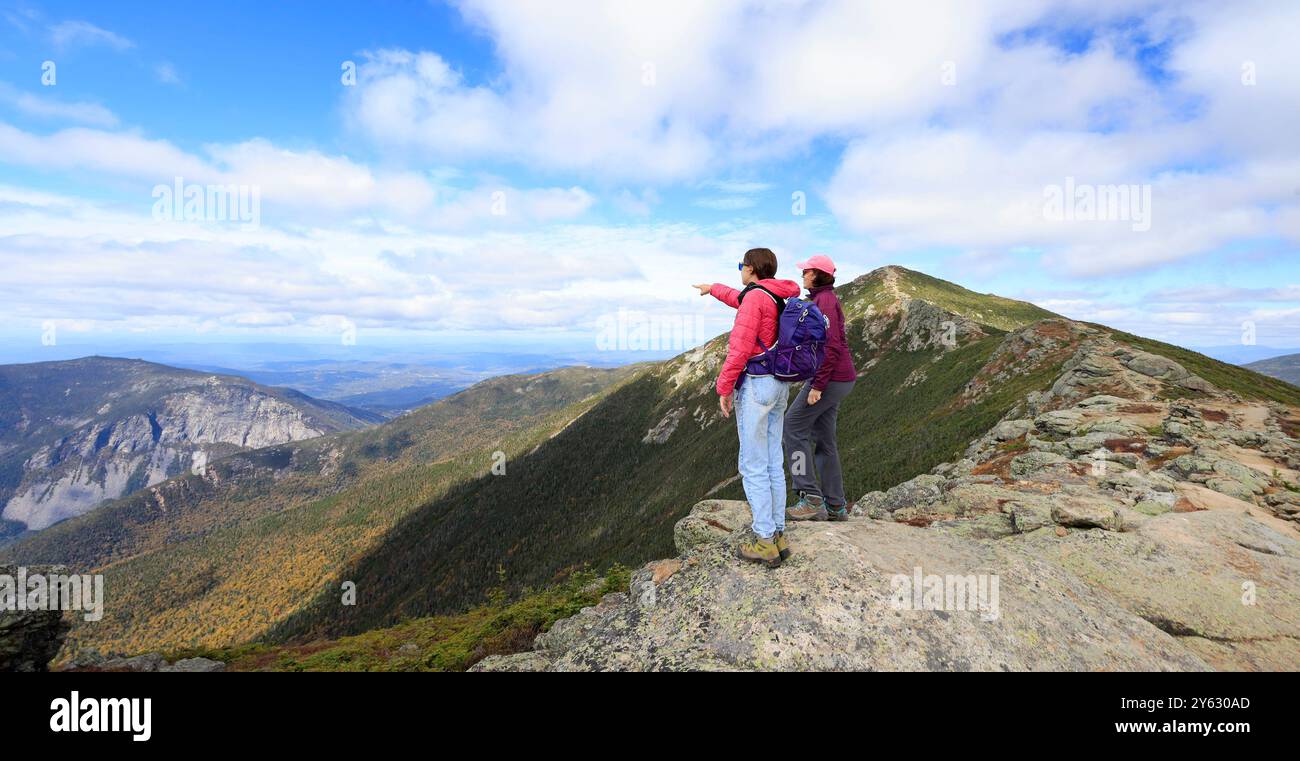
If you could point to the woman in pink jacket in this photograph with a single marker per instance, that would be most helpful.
(759, 399)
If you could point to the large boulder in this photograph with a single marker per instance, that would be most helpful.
(1008, 430)
(1059, 422)
(30, 639)
(709, 522)
(917, 493)
(1026, 464)
(195, 665)
(527, 661)
(1165, 369)
(1085, 512)
(146, 662)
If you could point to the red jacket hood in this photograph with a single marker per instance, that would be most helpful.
(783, 288)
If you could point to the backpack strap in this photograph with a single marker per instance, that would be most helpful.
(780, 302)
(780, 306)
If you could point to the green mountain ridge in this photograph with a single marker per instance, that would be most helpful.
(258, 526)
(1286, 368)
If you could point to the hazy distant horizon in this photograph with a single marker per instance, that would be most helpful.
(554, 351)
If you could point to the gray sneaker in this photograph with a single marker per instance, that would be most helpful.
(809, 508)
(837, 513)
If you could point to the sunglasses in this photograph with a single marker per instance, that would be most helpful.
(740, 266)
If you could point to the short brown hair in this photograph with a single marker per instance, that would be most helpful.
(762, 261)
(822, 278)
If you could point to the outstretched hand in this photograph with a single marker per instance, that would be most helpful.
(703, 288)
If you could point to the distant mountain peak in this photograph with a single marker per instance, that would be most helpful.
(891, 288)
(87, 430)
(1285, 367)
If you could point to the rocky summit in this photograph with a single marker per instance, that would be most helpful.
(1133, 517)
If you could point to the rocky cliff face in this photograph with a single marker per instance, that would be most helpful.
(29, 639)
(96, 429)
(1133, 517)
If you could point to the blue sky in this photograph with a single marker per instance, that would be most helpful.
(504, 169)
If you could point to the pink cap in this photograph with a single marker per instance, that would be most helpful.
(818, 262)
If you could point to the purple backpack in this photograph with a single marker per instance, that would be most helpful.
(800, 340)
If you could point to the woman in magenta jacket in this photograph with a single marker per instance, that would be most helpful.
(759, 400)
(810, 423)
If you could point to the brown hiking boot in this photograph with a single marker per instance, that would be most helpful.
(782, 546)
(760, 551)
(808, 508)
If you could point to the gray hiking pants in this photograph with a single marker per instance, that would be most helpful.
(813, 425)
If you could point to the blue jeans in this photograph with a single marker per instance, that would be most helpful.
(760, 418)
